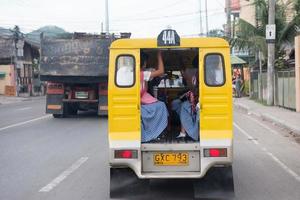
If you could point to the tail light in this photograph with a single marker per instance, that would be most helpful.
(127, 154)
(55, 88)
(215, 152)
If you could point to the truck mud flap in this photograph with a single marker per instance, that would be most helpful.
(102, 106)
(54, 104)
(217, 184)
(125, 184)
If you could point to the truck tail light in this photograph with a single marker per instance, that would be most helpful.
(55, 88)
(127, 154)
(215, 152)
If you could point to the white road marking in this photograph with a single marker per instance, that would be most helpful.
(25, 108)
(25, 122)
(64, 175)
(286, 168)
(270, 129)
(246, 134)
(264, 149)
(261, 124)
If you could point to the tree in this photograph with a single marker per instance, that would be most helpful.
(252, 38)
(216, 33)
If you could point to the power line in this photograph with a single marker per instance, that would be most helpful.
(157, 9)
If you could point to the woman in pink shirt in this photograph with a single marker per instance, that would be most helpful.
(154, 113)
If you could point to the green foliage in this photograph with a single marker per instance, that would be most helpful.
(48, 31)
(216, 33)
(250, 37)
(246, 87)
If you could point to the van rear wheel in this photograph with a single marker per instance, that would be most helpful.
(216, 184)
(125, 184)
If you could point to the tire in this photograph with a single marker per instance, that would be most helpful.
(217, 184)
(125, 184)
(57, 115)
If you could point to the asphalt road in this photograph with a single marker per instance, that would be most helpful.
(46, 158)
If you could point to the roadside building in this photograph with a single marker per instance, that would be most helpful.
(286, 78)
(18, 66)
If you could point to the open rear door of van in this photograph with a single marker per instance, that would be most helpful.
(124, 96)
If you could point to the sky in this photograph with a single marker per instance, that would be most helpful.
(143, 18)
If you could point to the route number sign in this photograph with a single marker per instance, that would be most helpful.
(168, 37)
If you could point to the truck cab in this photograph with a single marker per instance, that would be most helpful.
(170, 158)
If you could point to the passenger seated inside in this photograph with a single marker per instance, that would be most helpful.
(187, 106)
(154, 113)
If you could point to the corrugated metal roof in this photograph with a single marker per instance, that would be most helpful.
(6, 48)
(236, 60)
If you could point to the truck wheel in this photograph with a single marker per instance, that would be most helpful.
(57, 115)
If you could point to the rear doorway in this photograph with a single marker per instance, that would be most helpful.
(178, 89)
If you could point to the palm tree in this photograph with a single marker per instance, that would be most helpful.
(252, 38)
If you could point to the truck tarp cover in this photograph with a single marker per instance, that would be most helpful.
(74, 57)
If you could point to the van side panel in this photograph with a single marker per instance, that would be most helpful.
(124, 102)
(216, 101)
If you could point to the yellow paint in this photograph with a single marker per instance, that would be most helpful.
(124, 135)
(124, 103)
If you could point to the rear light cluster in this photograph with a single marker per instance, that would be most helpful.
(126, 154)
(55, 86)
(215, 152)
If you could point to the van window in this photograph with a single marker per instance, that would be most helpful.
(125, 76)
(214, 70)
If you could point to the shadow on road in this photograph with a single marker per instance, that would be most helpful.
(86, 114)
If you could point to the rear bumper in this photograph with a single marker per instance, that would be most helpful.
(205, 162)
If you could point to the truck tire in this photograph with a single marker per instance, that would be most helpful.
(57, 115)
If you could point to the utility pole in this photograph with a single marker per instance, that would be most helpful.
(228, 13)
(16, 37)
(271, 56)
(206, 18)
(106, 18)
(260, 88)
(200, 13)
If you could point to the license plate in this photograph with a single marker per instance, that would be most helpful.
(171, 159)
(81, 95)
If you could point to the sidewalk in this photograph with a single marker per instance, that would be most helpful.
(282, 117)
(8, 100)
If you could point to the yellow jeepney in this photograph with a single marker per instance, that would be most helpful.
(171, 159)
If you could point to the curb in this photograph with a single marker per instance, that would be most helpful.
(295, 131)
(22, 99)
(247, 109)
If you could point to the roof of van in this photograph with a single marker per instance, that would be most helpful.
(184, 43)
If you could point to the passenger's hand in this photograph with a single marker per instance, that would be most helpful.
(159, 53)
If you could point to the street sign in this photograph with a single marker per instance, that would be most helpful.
(168, 37)
(270, 33)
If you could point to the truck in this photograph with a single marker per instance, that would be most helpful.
(75, 70)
